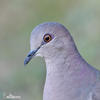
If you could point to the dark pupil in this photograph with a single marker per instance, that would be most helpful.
(47, 38)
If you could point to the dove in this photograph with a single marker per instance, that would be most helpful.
(68, 75)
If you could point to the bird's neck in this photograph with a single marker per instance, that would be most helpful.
(65, 60)
(63, 72)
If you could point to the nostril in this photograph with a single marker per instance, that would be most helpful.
(29, 55)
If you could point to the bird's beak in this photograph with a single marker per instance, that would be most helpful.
(30, 55)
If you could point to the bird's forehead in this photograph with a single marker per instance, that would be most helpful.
(51, 27)
(42, 29)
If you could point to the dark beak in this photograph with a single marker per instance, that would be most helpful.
(30, 56)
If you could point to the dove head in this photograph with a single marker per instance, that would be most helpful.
(50, 40)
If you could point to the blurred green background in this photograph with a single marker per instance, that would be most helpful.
(19, 17)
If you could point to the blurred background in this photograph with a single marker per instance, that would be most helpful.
(19, 17)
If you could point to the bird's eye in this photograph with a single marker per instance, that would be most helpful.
(47, 38)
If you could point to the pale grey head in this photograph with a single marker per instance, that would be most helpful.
(49, 40)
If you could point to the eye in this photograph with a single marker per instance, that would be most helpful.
(47, 38)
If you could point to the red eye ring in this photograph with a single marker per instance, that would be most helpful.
(47, 38)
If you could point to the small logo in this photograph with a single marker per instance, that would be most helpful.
(11, 96)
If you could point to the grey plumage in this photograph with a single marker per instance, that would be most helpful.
(69, 76)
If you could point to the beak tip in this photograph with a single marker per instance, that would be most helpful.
(27, 60)
(25, 63)
(30, 55)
